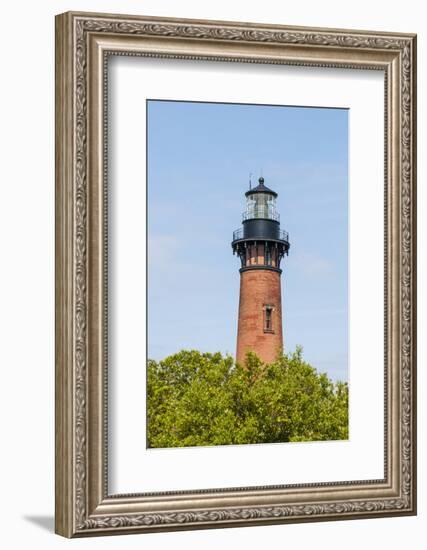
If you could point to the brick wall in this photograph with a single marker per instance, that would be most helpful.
(259, 288)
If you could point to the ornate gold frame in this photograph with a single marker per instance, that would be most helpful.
(83, 505)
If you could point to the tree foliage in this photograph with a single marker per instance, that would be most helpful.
(198, 398)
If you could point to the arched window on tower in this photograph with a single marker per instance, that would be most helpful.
(268, 318)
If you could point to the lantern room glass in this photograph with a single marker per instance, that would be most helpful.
(261, 205)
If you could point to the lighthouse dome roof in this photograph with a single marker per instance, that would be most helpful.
(261, 188)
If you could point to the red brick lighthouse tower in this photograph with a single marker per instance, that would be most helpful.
(260, 245)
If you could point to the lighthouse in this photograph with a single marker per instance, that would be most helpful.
(260, 244)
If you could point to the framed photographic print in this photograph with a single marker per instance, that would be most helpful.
(235, 274)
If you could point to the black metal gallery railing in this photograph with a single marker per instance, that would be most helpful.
(263, 212)
(282, 235)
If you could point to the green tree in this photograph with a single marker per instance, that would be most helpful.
(207, 399)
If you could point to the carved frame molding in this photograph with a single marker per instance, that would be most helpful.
(83, 43)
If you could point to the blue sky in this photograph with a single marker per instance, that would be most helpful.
(199, 159)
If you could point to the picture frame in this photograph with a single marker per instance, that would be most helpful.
(84, 506)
